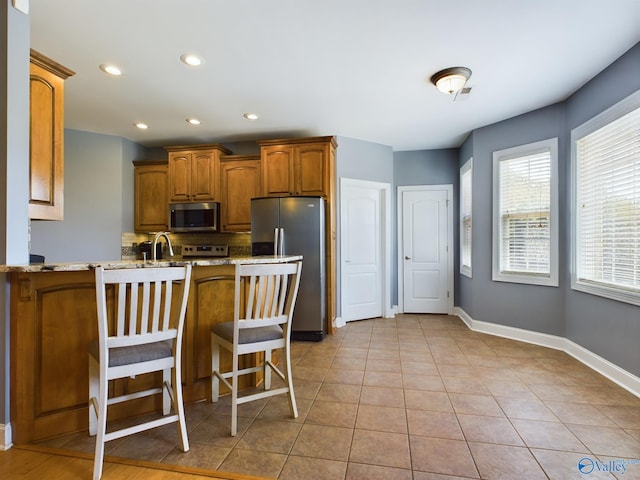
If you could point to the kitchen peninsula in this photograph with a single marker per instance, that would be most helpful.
(53, 320)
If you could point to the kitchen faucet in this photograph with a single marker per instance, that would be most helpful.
(155, 242)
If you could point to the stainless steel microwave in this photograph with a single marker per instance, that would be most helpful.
(194, 217)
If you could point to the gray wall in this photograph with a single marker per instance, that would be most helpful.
(98, 203)
(536, 308)
(14, 172)
(360, 160)
(364, 160)
(463, 285)
(92, 202)
(605, 327)
(423, 167)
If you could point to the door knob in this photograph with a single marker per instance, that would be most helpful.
(407, 258)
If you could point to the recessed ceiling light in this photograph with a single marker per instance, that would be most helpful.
(110, 69)
(250, 116)
(191, 59)
(193, 121)
(141, 126)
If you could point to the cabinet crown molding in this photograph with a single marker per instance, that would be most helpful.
(52, 66)
(142, 163)
(239, 157)
(289, 141)
(189, 148)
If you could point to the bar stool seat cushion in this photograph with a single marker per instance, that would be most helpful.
(135, 354)
(248, 335)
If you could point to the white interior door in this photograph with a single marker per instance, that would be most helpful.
(361, 250)
(425, 257)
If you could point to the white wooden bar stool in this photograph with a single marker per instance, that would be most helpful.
(264, 299)
(142, 333)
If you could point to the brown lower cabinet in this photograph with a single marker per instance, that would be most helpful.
(53, 319)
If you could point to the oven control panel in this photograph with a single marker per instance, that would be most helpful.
(205, 251)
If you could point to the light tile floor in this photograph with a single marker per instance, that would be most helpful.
(416, 397)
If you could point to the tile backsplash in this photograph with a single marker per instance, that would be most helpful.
(239, 243)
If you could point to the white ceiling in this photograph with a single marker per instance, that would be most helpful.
(355, 68)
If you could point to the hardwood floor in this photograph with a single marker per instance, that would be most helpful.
(27, 462)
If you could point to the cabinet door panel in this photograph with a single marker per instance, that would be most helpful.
(203, 168)
(239, 183)
(53, 320)
(311, 171)
(180, 175)
(66, 322)
(212, 300)
(150, 193)
(213, 304)
(42, 151)
(277, 171)
(46, 145)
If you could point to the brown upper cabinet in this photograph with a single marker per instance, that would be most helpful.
(150, 190)
(194, 172)
(46, 137)
(239, 182)
(299, 166)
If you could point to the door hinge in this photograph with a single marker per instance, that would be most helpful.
(447, 293)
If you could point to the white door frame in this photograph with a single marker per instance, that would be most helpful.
(450, 249)
(385, 246)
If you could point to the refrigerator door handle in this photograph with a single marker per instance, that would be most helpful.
(275, 241)
(281, 242)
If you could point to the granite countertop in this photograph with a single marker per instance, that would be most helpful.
(176, 261)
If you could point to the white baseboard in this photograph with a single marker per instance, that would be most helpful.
(626, 380)
(340, 322)
(5, 437)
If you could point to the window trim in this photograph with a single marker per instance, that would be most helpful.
(604, 118)
(551, 279)
(466, 270)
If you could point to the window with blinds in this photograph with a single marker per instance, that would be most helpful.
(606, 167)
(466, 175)
(525, 214)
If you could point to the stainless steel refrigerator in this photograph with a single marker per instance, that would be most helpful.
(295, 226)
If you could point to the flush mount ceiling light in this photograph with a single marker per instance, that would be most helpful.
(193, 121)
(191, 59)
(450, 80)
(141, 126)
(250, 116)
(110, 69)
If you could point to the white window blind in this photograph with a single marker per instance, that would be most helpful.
(607, 183)
(466, 175)
(525, 213)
